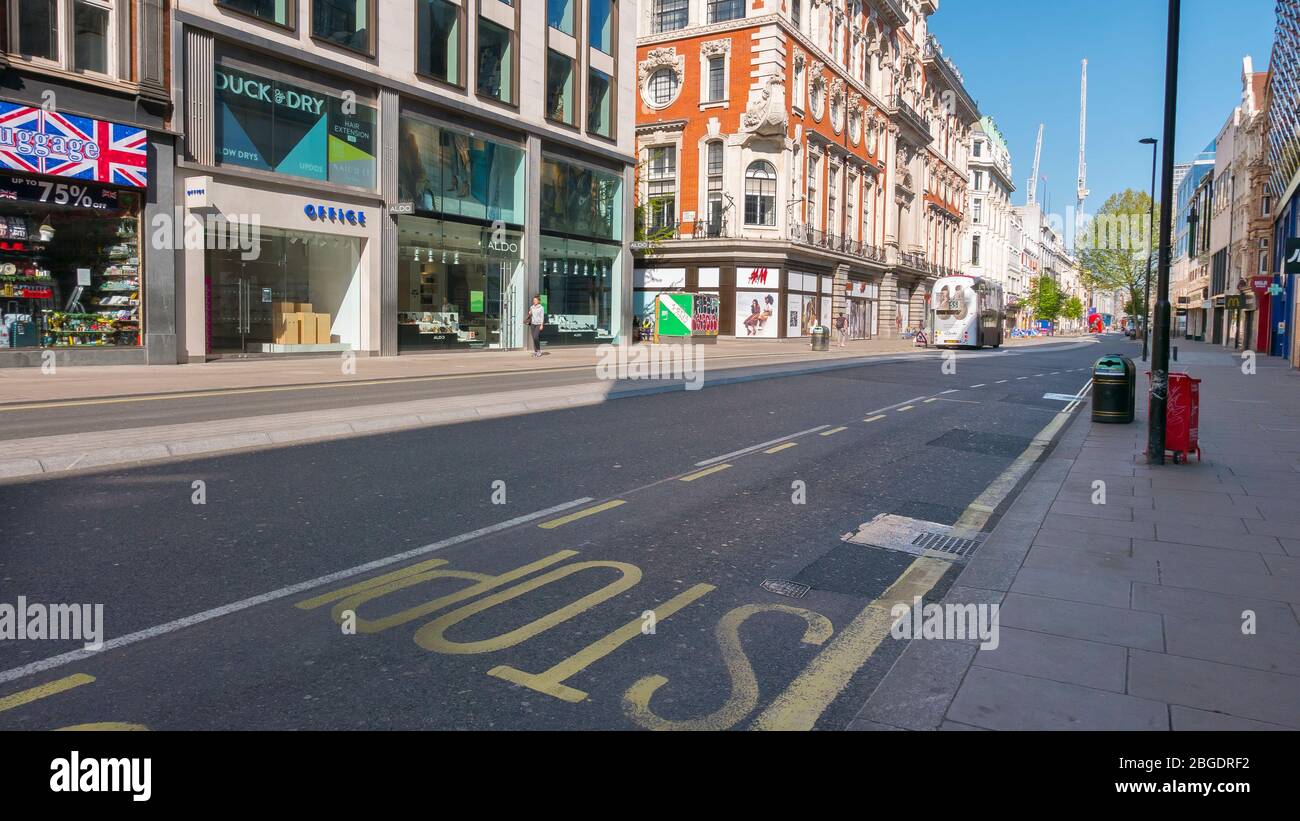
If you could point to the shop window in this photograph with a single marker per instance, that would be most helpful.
(581, 201)
(279, 12)
(559, 87)
(346, 23)
(495, 61)
(600, 104)
(441, 171)
(300, 291)
(77, 35)
(559, 15)
(577, 293)
(454, 285)
(600, 31)
(438, 29)
(285, 128)
(69, 265)
(760, 194)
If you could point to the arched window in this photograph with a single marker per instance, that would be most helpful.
(760, 193)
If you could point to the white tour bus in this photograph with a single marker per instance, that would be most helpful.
(966, 311)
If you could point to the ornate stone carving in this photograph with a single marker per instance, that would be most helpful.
(715, 48)
(660, 58)
(766, 114)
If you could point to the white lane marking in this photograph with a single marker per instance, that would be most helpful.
(724, 457)
(1018, 378)
(1000, 381)
(980, 385)
(962, 401)
(954, 390)
(896, 405)
(283, 592)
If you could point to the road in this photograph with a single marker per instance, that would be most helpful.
(593, 568)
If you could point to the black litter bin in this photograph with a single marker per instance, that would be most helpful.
(1114, 389)
(821, 338)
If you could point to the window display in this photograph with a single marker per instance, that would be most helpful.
(576, 290)
(441, 171)
(70, 273)
(456, 283)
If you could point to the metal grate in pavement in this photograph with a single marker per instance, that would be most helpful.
(941, 543)
(782, 587)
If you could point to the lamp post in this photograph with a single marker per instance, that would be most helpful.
(1160, 344)
(1151, 233)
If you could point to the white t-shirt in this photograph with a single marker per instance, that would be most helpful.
(536, 315)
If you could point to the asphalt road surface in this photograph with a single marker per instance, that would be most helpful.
(599, 567)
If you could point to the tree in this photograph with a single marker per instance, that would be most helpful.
(1116, 250)
(1073, 308)
(1045, 299)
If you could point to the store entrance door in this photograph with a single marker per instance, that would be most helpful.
(239, 313)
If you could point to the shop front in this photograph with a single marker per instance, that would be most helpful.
(72, 193)
(278, 272)
(581, 253)
(862, 296)
(460, 271)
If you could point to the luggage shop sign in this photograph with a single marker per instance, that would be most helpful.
(36, 141)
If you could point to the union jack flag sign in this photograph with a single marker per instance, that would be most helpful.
(35, 141)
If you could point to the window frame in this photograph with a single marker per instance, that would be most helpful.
(770, 178)
(676, 89)
(462, 38)
(664, 175)
(291, 15)
(65, 11)
(479, 17)
(657, 14)
(711, 7)
(613, 104)
(576, 87)
(372, 29)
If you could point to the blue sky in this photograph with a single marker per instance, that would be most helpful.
(1021, 60)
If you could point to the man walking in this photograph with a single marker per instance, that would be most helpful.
(534, 319)
(842, 326)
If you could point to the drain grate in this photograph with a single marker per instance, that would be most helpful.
(941, 543)
(783, 587)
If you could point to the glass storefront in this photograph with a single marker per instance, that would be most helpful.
(582, 231)
(70, 273)
(577, 290)
(295, 292)
(447, 172)
(457, 285)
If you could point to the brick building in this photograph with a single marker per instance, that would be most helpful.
(800, 158)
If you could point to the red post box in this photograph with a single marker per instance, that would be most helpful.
(1182, 416)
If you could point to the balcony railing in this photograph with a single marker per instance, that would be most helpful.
(814, 238)
(909, 115)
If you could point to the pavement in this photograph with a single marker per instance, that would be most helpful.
(1134, 596)
(680, 560)
(87, 418)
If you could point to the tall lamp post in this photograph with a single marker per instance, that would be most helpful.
(1159, 400)
(1151, 233)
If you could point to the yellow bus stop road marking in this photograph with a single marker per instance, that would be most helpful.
(831, 432)
(52, 688)
(780, 448)
(581, 514)
(875, 418)
(821, 682)
(701, 474)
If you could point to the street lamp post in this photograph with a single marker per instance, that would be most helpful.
(1159, 400)
(1151, 233)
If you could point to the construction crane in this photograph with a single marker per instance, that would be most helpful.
(1038, 155)
(1083, 163)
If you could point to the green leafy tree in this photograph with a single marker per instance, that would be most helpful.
(1045, 298)
(1073, 308)
(1116, 246)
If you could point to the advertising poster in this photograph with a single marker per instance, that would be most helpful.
(275, 126)
(704, 319)
(756, 314)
